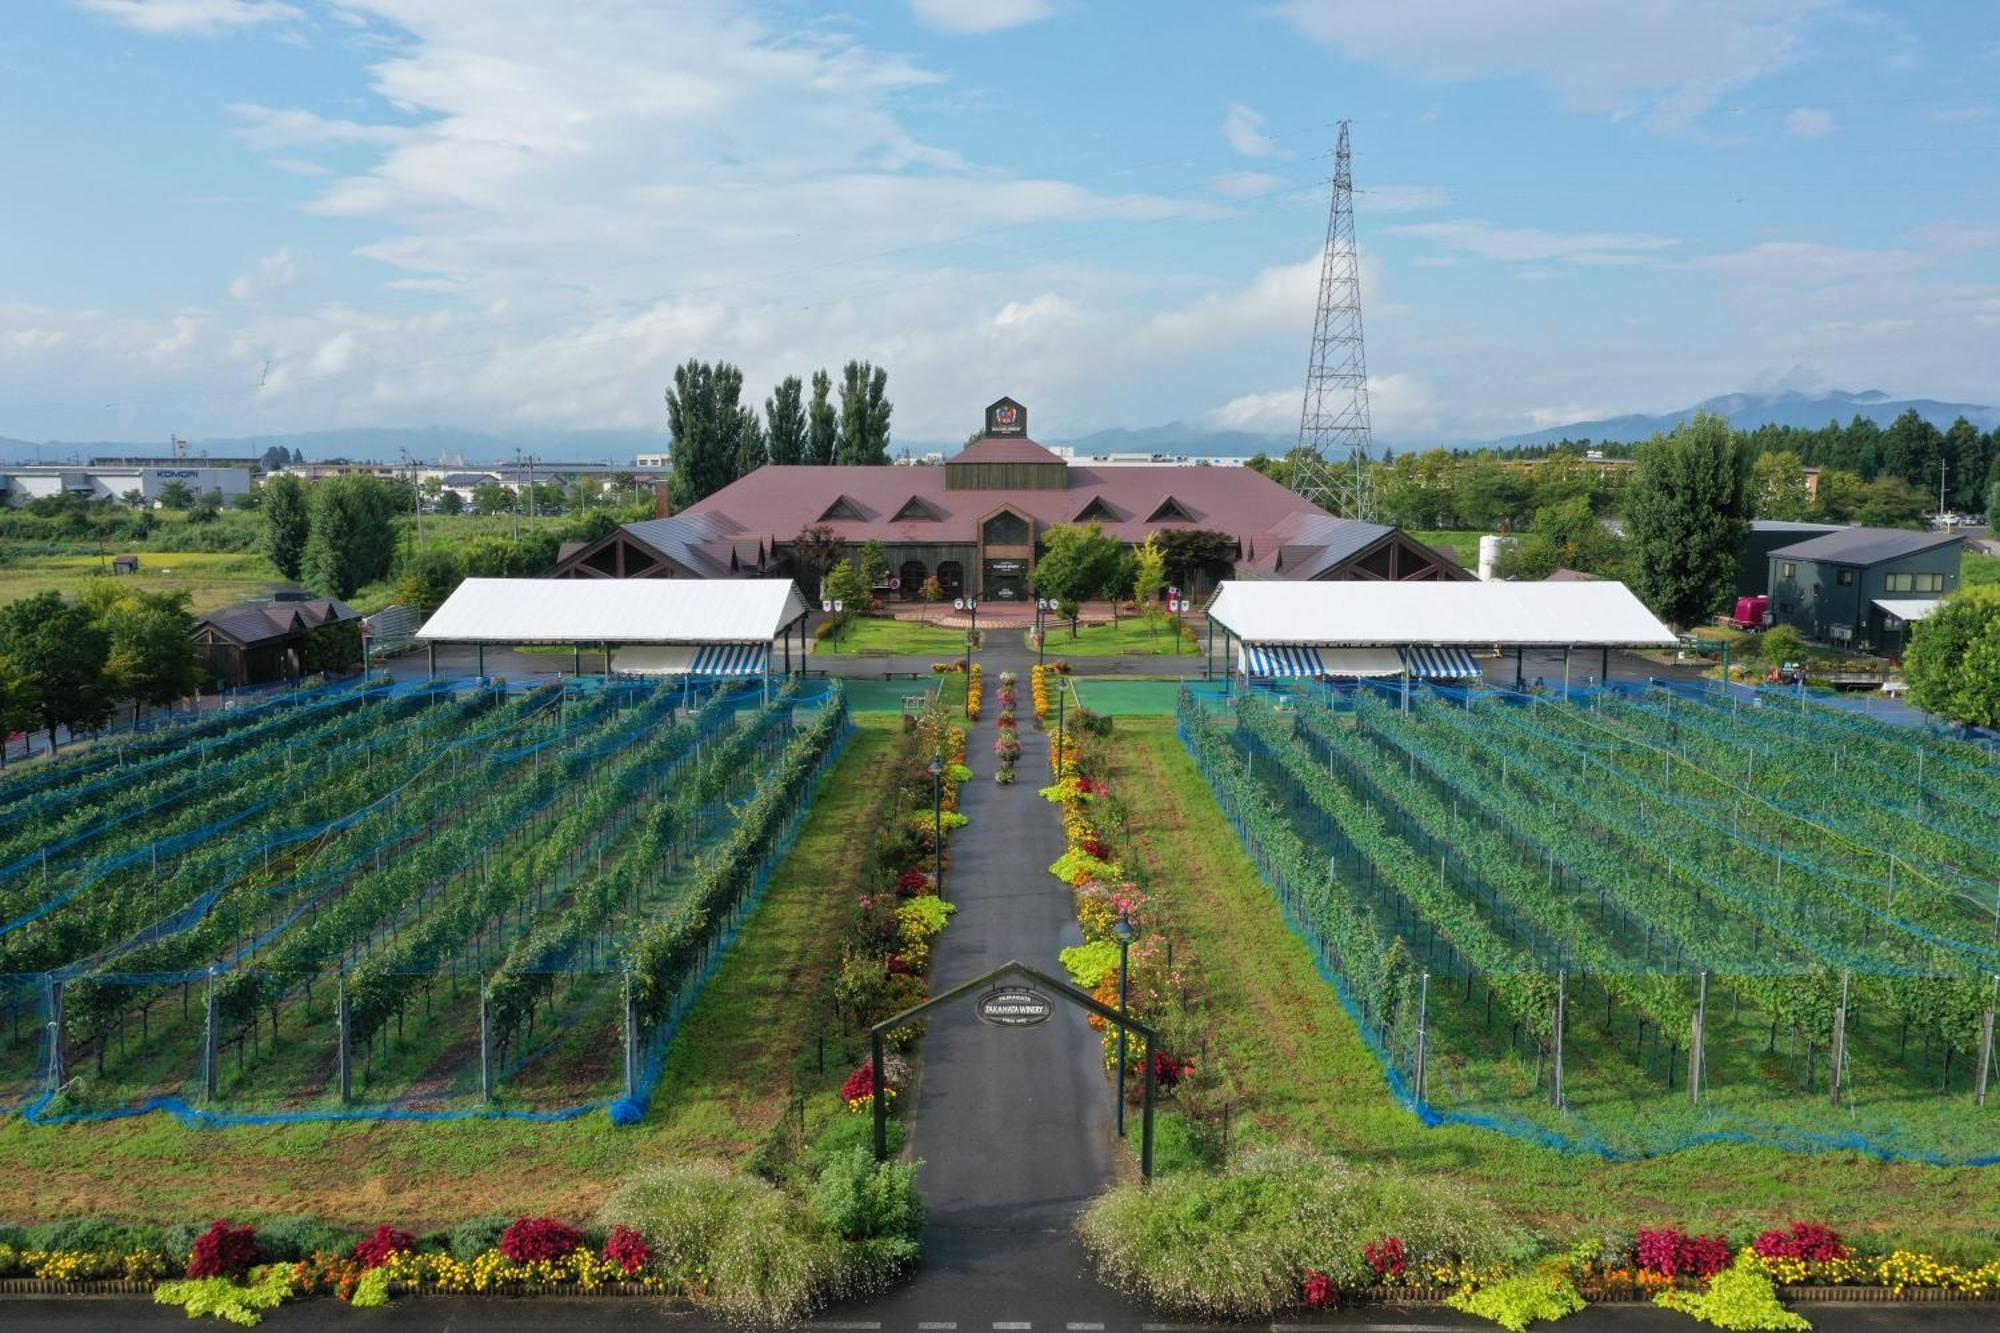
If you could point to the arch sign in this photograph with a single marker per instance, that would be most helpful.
(1029, 1001)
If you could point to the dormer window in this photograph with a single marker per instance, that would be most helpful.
(1170, 510)
(915, 510)
(842, 507)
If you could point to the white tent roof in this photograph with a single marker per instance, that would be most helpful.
(1910, 608)
(690, 611)
(1370, 613)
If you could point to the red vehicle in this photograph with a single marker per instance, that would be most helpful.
(1752, 612)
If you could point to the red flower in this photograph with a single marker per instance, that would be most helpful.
(899, 966)
(533, 1238)
(1169, 1070)
(384, 1245)
(1097, 848)
(224, 1251)
(860, 1084)
(628, 1249)
(911, 882)
(1318, 1290)
(1387, 1257)
(1810, 1241)
(1671, 1252)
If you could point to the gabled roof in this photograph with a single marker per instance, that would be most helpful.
(259, 622)
(1097, 509)
(994, 449)
(1170, 510)
(916, 509)
(843, 507)
(1866, 546)
(781, 500)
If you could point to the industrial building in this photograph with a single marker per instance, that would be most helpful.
(1861, 587)
(22, 482)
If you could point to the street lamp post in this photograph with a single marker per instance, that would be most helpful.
(937, 825)
(1124, 931)
(1041, 634)
(1060, 753)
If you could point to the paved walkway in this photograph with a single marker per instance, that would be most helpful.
(1014, 1126)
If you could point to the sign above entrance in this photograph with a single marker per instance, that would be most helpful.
(1006, 417)
(1015, 1007)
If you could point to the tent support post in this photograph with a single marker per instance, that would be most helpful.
(481, 651)
(1603, 667)
(1520, 667)
(1565, 673)
(431, 660)
(576, 659)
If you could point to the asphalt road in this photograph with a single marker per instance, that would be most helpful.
(1013, 1124)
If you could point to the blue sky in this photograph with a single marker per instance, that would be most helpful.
(232, 217)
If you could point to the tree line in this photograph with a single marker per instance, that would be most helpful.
(718, 437)
(70, 664)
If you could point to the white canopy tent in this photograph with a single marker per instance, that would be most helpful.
(658, 626)
(1344, 628)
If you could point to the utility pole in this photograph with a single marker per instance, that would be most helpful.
(1331, 459)
(514, 509)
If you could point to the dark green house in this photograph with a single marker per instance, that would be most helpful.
(1753, 562)
(1834, 587)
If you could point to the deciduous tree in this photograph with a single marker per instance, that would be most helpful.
(864, 414)
(705, 420)
(1953, 663)
(785, 422)
(353, 539)
(1077, 563)
(61, 650)
(1685, 518)
(822, 422)
(286, 525)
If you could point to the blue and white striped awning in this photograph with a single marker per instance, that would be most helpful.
(731, 659)
(1440, 663)
(1267, 660)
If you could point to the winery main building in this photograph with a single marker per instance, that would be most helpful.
(977, 523)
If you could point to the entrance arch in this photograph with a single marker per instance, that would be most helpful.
(951, 577)
(1061, 990)
(913, 573)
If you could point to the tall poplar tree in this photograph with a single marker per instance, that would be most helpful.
(785, 422)
(864, 414)
(704, 418)
(286, 526)
(822, 422)
(1685, 515)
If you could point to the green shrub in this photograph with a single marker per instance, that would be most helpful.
(238, 1303)
(471, 1239)
(874, 1208)
(774, 1260)
(91, 1233)
(844, 1132)
(289, 1238)
(682, 1212)
(1237, 1243)
(1515, 1302)
(1739, 1297)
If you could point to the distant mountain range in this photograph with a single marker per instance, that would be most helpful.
(430, 444)
(1747, 411)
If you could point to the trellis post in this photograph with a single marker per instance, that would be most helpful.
(344, 1042)
(485, 1047)
(1697, 1040)
(1423, 1014)
(1145, 1134)
(1985, 1047)
(57, 1031)
(1839, 1041)
(631, 1039)
(881, 1099)
(1556, 1069)
(211, 1043)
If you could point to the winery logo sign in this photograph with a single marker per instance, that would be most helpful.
(1015, 1007)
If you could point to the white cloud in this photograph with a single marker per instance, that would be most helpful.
(204, 18)
(1667, 60)
(1481, 240)
(1262, 413)
(1400, 198)
(979, 16)
(265, 128)
(1243, 130)
(1400, 406)
(265, 278)
(1809, 122)
(1246, 184)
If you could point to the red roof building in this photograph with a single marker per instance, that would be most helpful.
(977, 523)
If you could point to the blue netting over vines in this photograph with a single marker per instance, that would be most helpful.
(1636, 919)
(414, 902)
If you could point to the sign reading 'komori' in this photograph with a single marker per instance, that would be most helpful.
(1015, 1007)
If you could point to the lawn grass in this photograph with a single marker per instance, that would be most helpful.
(1978, 569)
(1130, 637)
(212, 579)
(1460, 542)
(726, 1082)
(902, 638)
(1297, 1069)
